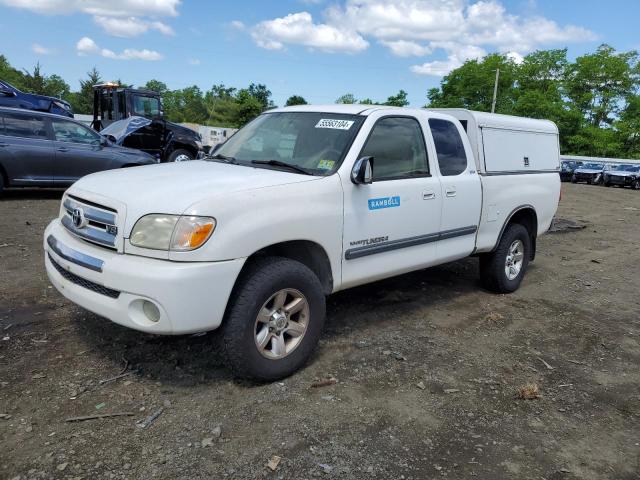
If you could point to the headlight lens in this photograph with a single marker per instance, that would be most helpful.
(153, 231)
(171, 232)
(192, 232)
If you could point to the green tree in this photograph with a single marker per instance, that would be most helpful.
(295, 100)
(398, 100)
(12, 75)
(156, 86)
(471, 85)
(347, 98)
(82, 101)
(249, 107)
(598, 83)
(261, 93)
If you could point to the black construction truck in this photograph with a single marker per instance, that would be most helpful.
(119, 113)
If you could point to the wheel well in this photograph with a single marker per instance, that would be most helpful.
(183, 146)
(306, 252)
(527, 217)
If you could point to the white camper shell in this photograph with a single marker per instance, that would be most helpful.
(507, 144)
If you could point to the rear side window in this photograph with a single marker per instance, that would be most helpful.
(25, 126)
(449, 147)
(397, 147)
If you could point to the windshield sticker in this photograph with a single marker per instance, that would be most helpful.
(335, 124)
(386, 202)
(326, 164)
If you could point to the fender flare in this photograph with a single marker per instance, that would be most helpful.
(508, 220)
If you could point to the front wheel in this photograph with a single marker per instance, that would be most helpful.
(502, 270)
(574, 179)
(180, 155)
(636, 185)
(274, 319)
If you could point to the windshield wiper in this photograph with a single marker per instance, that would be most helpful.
(278, 163)
(225, 158)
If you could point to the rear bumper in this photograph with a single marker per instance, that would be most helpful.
(190, 297)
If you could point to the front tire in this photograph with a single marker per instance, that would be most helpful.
(574, 179)
(274, 319)
(180, 155)
(502, 271)
(636, 185)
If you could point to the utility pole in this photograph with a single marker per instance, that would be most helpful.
(495, 91)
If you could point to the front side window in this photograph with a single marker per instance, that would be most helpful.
(313, 141)
(398, 150)
(452, 158)
(25, 126)
(146, 106)
(74, 133)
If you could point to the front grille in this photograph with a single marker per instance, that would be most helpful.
(91, 222)
(83, 282)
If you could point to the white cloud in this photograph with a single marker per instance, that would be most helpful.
(457, 56)
(460, 28)
(40, 50)
(237, 25)
(406, 48)
(130, 26)
(122, 8)
(86, 46)
(299, 29)
(194, 61)
(120, 18)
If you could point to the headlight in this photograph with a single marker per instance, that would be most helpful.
(171, 232)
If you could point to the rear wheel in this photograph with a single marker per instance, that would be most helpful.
(275, 319)
(502, 270)
(180, 155)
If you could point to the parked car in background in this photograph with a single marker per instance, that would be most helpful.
(44, 150)
(10, 96)
(625, 175)
(567, 167)
(590, 173)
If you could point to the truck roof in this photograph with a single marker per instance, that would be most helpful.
(475, 119)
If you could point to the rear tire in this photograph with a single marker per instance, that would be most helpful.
(512, 255)
(1, 184)
(180, 155)
(282, 350)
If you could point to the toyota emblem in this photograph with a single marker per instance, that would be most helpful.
(78, 218)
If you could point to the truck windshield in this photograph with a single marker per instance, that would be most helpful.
(312, 141)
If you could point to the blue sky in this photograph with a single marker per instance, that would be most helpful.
(314, 48)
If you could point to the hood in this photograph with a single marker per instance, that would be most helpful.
(173, 187)
(587, 170)
(623, 173)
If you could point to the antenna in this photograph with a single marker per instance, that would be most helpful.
(495, 91)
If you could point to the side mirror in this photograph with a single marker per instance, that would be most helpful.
(362, 172)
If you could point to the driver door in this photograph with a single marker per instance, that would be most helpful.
(391, 225)
(79, 151)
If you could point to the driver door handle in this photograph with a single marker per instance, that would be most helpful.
(428, 195)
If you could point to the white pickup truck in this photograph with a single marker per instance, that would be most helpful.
(300, 203)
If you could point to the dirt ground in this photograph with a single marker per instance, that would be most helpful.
(428, 366)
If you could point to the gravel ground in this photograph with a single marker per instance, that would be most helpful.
(429, 370)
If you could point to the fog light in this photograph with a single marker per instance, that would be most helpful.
(151, 311)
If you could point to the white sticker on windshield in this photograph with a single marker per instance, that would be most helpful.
(337, 124)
